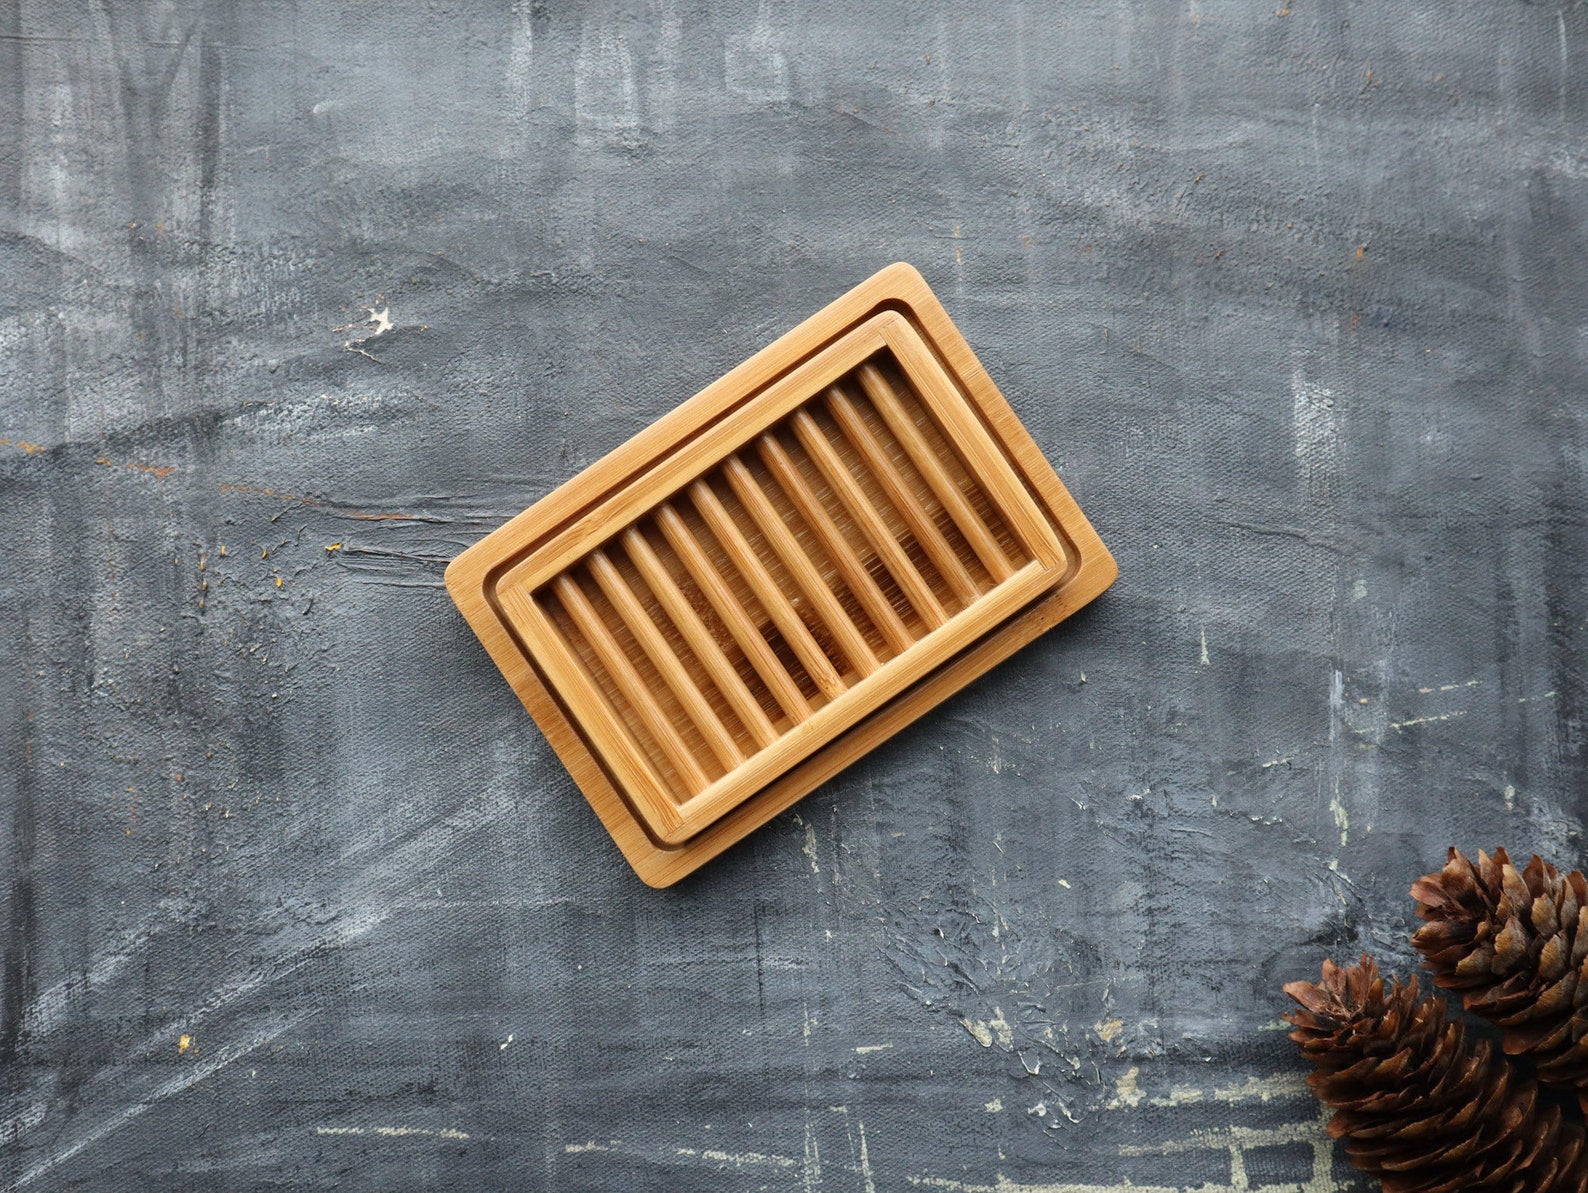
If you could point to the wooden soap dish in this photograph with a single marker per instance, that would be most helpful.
(780, 574)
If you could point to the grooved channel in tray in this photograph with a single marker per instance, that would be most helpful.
(830, 544)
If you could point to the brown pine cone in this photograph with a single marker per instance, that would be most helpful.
(1417, 1104)
(1515, 944)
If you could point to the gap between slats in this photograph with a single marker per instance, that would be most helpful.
(833, 543)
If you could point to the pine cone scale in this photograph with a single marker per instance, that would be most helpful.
(1515, 943)
(1415, 1101)
(1417, 1104)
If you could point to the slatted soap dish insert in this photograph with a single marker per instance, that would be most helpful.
(761, 577)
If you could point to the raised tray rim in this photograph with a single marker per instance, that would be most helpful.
(471, 577)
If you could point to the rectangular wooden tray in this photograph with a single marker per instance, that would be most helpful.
(781, 573)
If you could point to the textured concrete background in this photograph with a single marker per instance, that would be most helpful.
(296, 301)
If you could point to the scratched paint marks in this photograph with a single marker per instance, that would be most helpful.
(89, 1130)
(362, 332)
(1293, 1155)
(1440, 692)
(1031, 990)
(239, 1011)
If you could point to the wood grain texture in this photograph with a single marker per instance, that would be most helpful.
(1288, 294)
(628, 743)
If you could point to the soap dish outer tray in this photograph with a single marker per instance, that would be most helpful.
(566, 596)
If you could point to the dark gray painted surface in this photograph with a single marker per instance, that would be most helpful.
(1295, 301)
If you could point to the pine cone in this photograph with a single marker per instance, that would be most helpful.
(1417, 1104)
(1515, 944)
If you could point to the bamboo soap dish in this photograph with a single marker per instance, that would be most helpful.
(780, 574)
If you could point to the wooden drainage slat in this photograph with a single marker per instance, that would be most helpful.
(898, 493)
(860, 581)
(667, 664)
(628, 680)
(809, 581)
(694, 632)
(699, 669)
(723, 600)
(787, 619)
(931, 468)
(648, 790)
(863, 512)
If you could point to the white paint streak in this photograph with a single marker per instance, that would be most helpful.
(191, 1077)
(739, 1159)
(1448, 687)
(1003, 1184)
(986, 1031)
(865, 1160)
(288, 950)
(605, 98)
(1238, 1179)
(1262, 1089)
(396, 1132)
(32, 1115)
(754, 67)
(1565, 60)
(1342, 817)
(1303, 1131)
(1572, 167)
(1234, 1140)
(1317, 431)
(1398, 726)
(520, 59)
(811, 1169)
(1254, 1089)
(661, 91)
(863, 1049)
(1336, 703)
